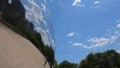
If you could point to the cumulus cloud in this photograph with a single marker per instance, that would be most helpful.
(94, 42)
(118, 26)
(97, 42)
(98, 5)
(96, 2)
(70, 34)
(77, 44)
(118, 51)
(78, 3)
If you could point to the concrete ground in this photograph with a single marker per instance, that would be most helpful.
(17, 52)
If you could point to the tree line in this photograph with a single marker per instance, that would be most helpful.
(107, 59)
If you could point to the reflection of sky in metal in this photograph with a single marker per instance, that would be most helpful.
(37, 13)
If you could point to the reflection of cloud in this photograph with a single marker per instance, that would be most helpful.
(43, 35)
(78, 3)
(43, 7)
(34, 14)
(100, 42)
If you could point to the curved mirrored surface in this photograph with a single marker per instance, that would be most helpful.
(36, 12)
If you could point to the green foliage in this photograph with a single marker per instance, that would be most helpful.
(108, 59)
(66, 64)
(56, 64)
(49, 54)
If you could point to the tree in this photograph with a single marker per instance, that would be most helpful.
(56, 64)
(66, 64)
(108, 59)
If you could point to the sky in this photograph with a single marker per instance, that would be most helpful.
(80, 26)
(84, 26)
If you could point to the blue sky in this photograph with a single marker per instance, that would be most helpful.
(80, 26)
(84, 26)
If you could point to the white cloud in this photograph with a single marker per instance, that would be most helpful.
(113, 38)
(96, 2)
(118, 25)
(98, 42)
(71, 34)
(95, 42)
(118, 51)
(78, 3)
(77, 44)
